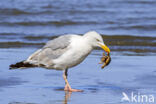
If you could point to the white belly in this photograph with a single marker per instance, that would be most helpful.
(72, 57)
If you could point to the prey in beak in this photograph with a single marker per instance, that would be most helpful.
(105, 60)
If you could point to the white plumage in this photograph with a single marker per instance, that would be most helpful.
(64, 52)
(70, 51)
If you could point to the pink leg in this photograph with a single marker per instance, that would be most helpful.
(67, 86)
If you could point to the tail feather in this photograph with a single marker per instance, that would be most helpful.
(21, 64)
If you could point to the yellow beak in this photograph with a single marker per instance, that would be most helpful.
(105, 48)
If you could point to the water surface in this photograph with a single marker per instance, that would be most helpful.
(127, 26)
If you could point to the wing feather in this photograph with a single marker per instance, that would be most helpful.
(52, 50)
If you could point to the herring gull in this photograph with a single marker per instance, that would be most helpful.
(63, 53)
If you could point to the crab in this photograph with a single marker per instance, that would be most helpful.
(105, 60)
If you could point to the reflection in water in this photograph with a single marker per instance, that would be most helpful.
(66, 97)
(64, 101)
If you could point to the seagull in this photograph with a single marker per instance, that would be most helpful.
(64, 52)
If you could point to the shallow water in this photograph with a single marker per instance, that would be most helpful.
(127, 26)
(47, 17)
(40, 86)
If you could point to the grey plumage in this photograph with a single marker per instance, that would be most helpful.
(52, 50)
(58, 43)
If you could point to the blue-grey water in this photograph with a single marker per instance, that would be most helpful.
(128, 27)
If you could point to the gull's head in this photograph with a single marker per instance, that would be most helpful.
(96, 40)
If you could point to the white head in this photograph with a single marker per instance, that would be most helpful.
(96, 40)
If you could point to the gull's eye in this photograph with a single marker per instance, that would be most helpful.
(97, 40)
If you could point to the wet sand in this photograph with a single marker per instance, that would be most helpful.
(39, 86)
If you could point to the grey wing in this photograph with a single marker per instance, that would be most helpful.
(52, 50)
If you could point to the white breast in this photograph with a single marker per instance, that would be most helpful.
(78, 51)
